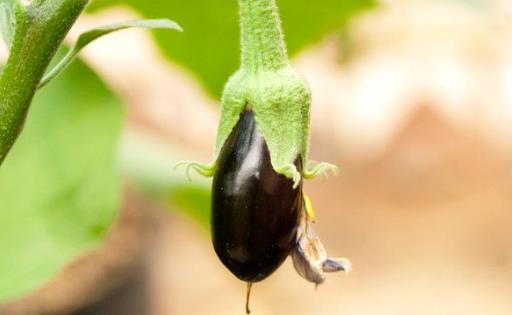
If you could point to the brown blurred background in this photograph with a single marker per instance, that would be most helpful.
(415, 108)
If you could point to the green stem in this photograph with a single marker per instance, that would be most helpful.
(40, 29)
(263, 47)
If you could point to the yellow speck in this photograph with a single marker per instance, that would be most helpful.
(309, 208)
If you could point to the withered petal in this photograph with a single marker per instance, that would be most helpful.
(310, 257)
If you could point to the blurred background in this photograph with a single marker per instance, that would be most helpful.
(412, 99)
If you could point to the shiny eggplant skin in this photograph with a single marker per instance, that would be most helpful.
(255, 211)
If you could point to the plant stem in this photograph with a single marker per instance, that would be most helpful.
(40, 29)
(263, 47)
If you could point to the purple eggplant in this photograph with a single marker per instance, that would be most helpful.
(255, 211)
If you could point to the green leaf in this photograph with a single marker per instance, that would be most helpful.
(89, 36)
(193, 200)
(211, 46)
(148, 163)
(59, 187)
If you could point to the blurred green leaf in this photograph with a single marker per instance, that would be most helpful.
(86, 38)
(210, 45)
(59, 187)
(193, 200)
(148, 162)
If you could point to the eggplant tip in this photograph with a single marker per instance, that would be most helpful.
(247, 298)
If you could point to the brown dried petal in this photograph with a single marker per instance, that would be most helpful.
(310, 257)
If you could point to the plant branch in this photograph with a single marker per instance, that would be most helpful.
(40, 29)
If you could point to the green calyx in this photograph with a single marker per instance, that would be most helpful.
(280, 100)
(277, 94)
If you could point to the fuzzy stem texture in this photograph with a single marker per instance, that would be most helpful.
(263, 47)
(40, 29)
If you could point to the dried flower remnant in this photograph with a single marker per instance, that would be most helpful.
(309, 255)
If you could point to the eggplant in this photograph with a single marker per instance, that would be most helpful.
(255, 211)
